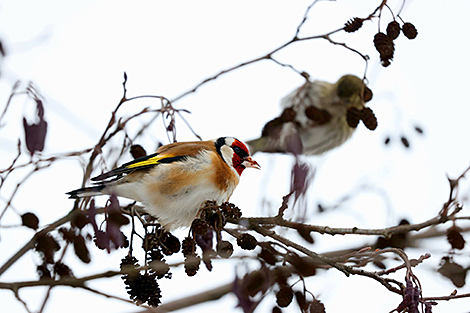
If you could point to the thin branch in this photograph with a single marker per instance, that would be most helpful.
(17, 296)
(288, 43)
(447, 298)
(188, 301)
(105, 294)
(80, 281)
(386, 232)
(205, 81)
(19, 184)
(304, 19)
(347, 270)
(30, 244)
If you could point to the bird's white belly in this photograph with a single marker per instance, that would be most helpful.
(180, 209)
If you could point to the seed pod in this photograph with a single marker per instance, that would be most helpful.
(284, 296)
(199, 227)
(367, 95)
(369, 119)
(352, 25)
(137, 151)
(319, 116)
(409, 30)
(30, 220)
(384, 46)
(393, 30)
(247, 242)
(191, 265)
(455, 238)
(353, 116)
(224, 249)
(288, 115)
(188, 246)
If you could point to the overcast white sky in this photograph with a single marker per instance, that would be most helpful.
(75, 52)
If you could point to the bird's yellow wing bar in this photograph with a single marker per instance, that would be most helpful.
(141, 163)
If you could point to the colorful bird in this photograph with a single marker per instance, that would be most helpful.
(317, 117)
(174, 182)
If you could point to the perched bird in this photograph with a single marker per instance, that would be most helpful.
(317, 117)
(174, 182)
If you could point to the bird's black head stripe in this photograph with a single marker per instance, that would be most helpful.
(218, 144)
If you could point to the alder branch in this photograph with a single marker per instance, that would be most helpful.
(347, 270)
(80, 281)
(188, 301)
(30, 244)
(386, 232)
(447, 298)
(296, 38)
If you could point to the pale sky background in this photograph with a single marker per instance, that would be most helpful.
(75, 52)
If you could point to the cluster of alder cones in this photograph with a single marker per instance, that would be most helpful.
(383, 42)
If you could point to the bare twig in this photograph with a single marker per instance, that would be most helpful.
(188, 301)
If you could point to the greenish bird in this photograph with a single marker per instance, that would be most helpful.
(317, 117)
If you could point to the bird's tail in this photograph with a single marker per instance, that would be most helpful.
(86, 192)
(256, 145)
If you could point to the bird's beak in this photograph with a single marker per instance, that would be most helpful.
(249, 162)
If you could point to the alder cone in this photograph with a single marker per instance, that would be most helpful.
(137, 151)
(224, 249)
(455, 238)
(247, 242)
(393, 30)
(288, 115)
(30, 220)
(317, 115)
(384, 45)
(369, 119)
(367, 95)
(353, 116)
(409, 30)
(284, 296)
(353, 25)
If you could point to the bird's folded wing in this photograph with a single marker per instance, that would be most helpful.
(141, 163)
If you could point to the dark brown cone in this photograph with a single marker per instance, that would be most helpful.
(137, 151)
(247, 242)
(384, 46)
(317, 115)
(30, 220)
(191, 265)
(224, 249)
(393, 30)
(369, 119)
(455, 238)
(199, 227)
(409, 30)
(284, 296)
(188, 246)
(353, 116)
(317, 307)
(352, 25)
(288, 115)
(272, 128)
(367, 95)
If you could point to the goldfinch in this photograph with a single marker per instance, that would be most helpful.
(317, 117)
(174, 182)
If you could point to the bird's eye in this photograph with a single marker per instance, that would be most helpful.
(240, 152)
